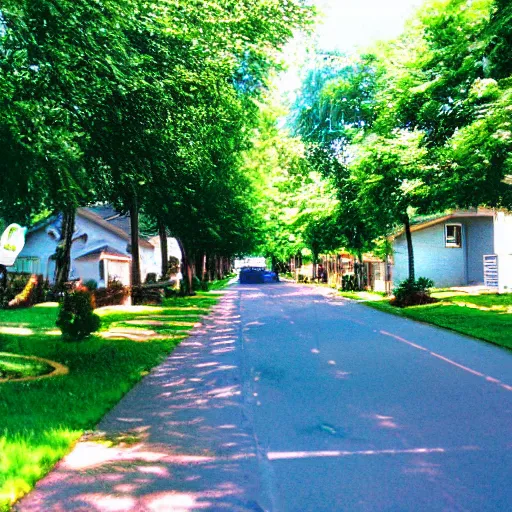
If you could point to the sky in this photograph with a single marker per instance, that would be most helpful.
(347, 25)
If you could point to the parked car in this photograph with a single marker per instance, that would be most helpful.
(257, 275)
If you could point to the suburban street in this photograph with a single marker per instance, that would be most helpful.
(288, 399)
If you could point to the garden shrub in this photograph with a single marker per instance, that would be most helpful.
(26, 297)
(15, 285)
(91, 285)
(196, 284)
(151, 278)
(349, 283)
(114, 295)
(173, 266)
(412, 292)
(77, 319)
(142, 295)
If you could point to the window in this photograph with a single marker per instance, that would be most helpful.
(27, 265)
(453, 235)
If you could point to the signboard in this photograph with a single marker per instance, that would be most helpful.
(11, 244)
(491, 270)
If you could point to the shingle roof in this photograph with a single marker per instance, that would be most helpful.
(104, 248)
(90, 214)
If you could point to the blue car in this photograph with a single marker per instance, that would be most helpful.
(256, 275)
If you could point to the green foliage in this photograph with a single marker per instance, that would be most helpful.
(91, 285)
(196, 284)
(114, 294)
(411, 292)
(30, 290)
(77, 319)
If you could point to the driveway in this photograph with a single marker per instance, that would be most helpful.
(290, 400)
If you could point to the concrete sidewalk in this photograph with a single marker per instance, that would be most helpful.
(180, 439)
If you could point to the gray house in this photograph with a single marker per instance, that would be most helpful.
(100, 250)
(459, 249)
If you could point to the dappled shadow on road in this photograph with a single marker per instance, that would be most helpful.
(179, 441)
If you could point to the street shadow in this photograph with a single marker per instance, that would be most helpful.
(179, 441)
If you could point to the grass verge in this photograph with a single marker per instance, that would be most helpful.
(42, 419)
(487, 316)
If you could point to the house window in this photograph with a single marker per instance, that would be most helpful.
(102, 270)
(27, 265)
(453, 235)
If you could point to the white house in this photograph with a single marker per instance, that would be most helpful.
(100, 250)
(459, 249)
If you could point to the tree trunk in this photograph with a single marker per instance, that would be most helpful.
(359, 273)
(315, 265)
(63, 259)
(410, 250)
(162, 233)
(221, 267)
(3, 277)
(186, 269)
(204, 275)
(134, 233)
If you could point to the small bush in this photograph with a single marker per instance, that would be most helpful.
(25, 298)
(151, 278)
(173, 265)
(147, 296)
(15, 285)
(205, 286)
(412, 292)
(77, 319)
(91, 285)
(114, 295)
(196, 284)
(170, 292)
(349, 283)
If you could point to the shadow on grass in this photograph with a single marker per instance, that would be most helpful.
(178, 443)
(40, 420)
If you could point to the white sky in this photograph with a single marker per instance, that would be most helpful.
(347, 25)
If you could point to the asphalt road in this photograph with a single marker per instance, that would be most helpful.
(289, 400)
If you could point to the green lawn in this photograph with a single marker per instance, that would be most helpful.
(486, 316)
(40, 420)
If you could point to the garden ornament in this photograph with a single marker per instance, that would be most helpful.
(11, 244)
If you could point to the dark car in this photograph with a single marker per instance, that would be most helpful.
(257, 275)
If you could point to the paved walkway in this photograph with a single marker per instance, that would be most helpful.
(288, 400)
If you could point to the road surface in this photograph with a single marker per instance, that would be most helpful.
(290, 400)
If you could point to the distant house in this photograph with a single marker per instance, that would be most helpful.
(100, 250)
(459, 249)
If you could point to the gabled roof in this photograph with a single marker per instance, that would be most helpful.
(106, 249)
(108, 213)
(443, 217)
(121, 228)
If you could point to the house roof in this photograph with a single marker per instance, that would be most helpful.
(104, 216)
(104, 249)
(123, 232)
(109, 214)
(443, 217)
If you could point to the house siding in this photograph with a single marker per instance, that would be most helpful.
(39, 245)
(446, 266)
(503, 248)
(480, 235)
